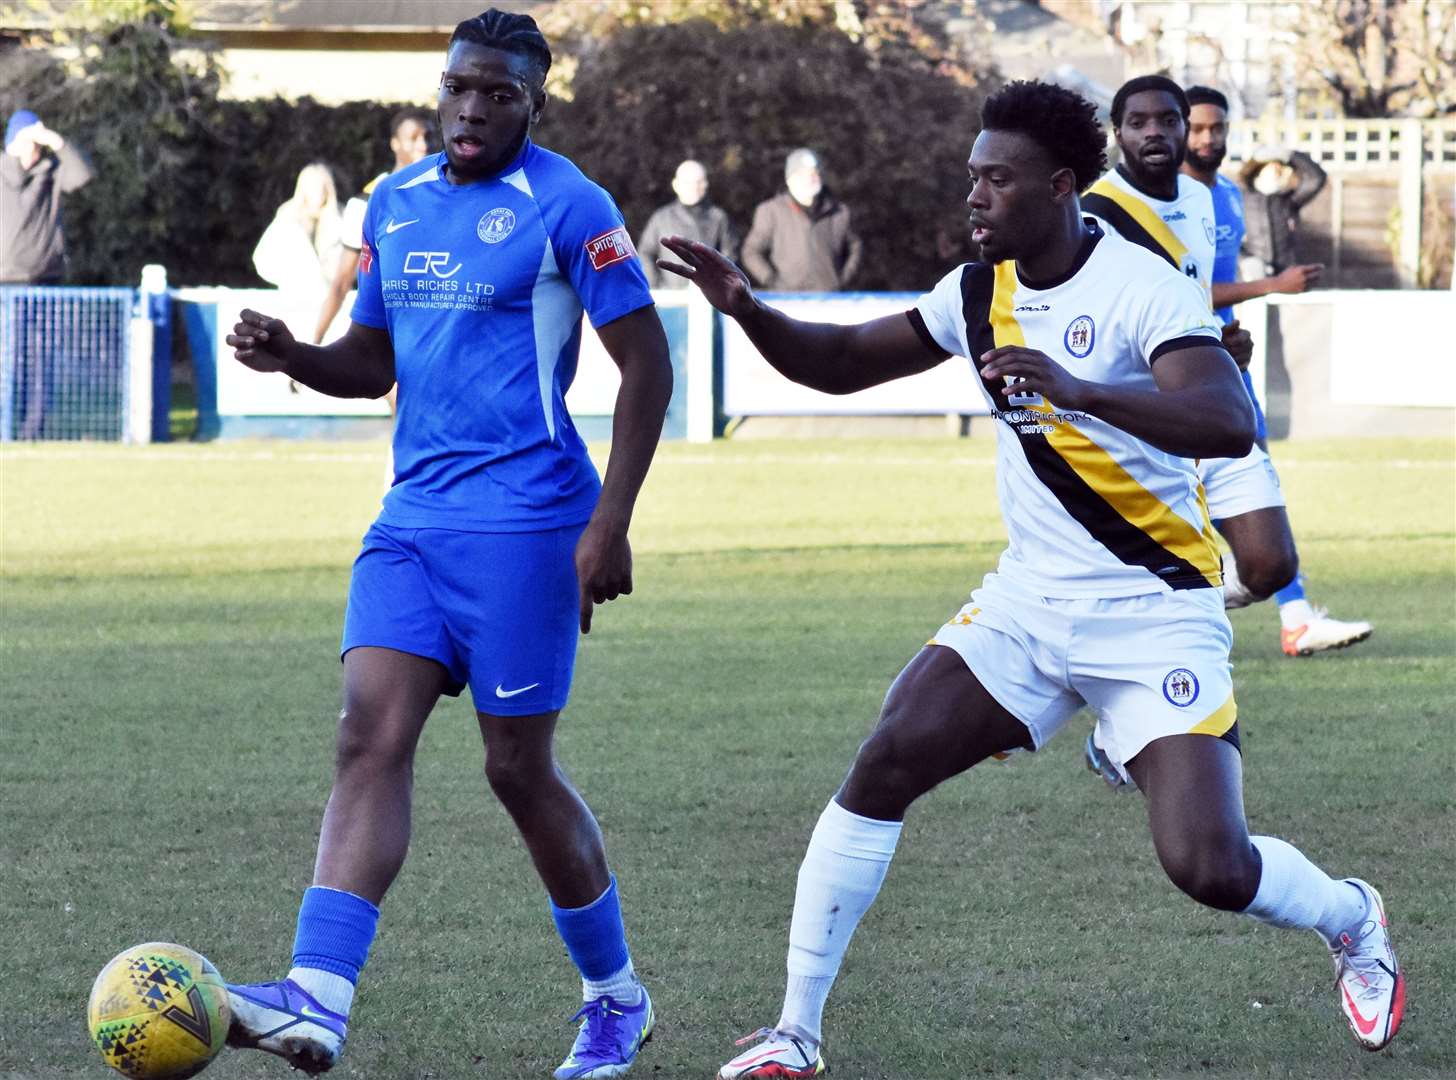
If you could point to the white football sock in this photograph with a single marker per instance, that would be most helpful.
(1295, 613)
(1295, 893)
(333, 992)
(839, 878)
(621, 986)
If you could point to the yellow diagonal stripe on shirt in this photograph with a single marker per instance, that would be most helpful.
(1219, 721)
(1145, 216)
(1135, 503)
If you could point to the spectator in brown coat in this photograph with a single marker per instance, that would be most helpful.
(801, 239)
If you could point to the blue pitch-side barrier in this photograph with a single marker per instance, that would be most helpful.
(95, 363)
(79, 363)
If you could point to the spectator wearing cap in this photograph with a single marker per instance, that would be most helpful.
(692, 215)
(801, 239)
(37, 169)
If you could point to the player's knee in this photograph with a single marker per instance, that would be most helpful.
(371, 743)
(515, 776)
(1218, 874)
(1267, 570)
(884, 768)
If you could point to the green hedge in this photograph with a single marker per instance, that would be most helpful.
(190, 181)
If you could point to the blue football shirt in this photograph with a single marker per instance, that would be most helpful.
(1228, 229)
(1228, 234)
(482, 287)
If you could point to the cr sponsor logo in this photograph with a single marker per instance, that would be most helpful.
(430, 262)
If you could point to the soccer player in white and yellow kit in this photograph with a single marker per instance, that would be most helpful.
(1148, 200)
(1105, 370)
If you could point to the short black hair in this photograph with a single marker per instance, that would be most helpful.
(510, 32)
(1146, 82)
(1060, 121)
(404, 116)
(1206, 95)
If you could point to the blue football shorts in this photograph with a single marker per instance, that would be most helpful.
(500, 611)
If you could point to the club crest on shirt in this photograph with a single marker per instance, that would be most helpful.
(1180, 687)
(495, 225)
(612, 246)
(1080, 336)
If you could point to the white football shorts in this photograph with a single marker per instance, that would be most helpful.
(1235, 486)
(1150, 665)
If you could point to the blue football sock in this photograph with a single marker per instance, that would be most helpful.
(594, 935)
(335, 930)
(1293, 591)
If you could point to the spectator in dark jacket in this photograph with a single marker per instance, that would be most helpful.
(37, 168)
(801, 239)
(1277, 185)
(691, 215)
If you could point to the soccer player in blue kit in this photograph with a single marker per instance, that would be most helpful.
(496, 539)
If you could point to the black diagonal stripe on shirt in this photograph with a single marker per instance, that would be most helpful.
(1126, 225)
(1081, 501)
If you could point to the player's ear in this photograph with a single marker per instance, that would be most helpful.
(1064, 185)
(538, 104)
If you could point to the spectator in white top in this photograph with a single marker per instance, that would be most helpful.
(409, 142)
(299, 251)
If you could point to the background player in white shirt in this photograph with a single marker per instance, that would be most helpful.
(1149, 201)
(1304, 629)
(1032, 646)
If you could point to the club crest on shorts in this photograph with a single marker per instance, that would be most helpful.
(1180, 687)
(495, 225)
(1081, 333)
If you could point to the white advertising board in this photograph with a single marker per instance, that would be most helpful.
(752, 388)
(1393, 349)
(241, 391)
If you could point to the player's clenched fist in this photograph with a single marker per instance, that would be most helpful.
(260, 342)
(1033, 372)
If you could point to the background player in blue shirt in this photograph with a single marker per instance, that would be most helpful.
(496, 538)
(1264, 555)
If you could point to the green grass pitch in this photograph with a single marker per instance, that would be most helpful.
(168, 686)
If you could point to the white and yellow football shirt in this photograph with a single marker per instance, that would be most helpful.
(1091, 511)
(1182, 230)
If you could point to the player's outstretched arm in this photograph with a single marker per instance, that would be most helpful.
(1199, 410)
(824, 356)
(1296, 279)
(638, 346)
(359, 364)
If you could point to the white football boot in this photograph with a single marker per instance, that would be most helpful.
(1371, 985)
(777, 1054)
(1319, 633)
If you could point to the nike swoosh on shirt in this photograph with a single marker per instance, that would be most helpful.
(502, 693)
(395, 226)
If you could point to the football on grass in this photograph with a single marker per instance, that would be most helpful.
(158, 1012)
